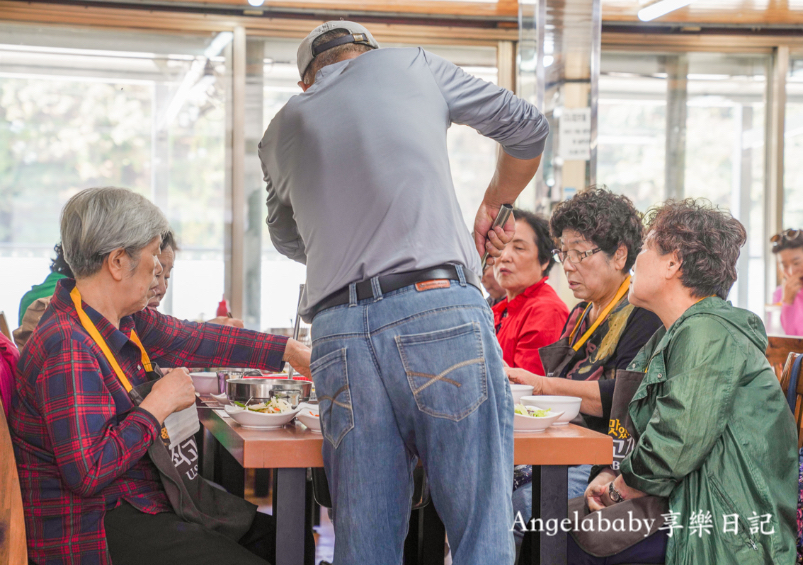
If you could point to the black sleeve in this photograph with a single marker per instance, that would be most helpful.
(640, 327)
(606, 395)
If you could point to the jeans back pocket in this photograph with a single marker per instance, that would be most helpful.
(330, 374)
(446, 370)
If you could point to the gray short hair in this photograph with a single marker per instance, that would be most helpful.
(331, 56)
(97, 221)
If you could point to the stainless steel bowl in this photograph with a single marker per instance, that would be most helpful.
(262, 390)
(292, 384)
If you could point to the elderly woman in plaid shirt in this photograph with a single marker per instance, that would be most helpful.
(91, 492)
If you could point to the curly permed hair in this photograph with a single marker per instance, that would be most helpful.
(707, 240)
(59, 264)
(603, 218)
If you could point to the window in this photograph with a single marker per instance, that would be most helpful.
(710, 108)
(89, 108)
(793, 145)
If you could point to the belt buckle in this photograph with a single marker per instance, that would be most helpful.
(432, 284)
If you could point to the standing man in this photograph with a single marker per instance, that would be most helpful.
(405, 361)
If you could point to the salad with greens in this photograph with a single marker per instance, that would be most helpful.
(531, 411)
(274, 406)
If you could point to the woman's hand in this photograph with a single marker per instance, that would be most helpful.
(599, 494)
(298, 355)
(523, 377)
(599, 488)
(172, 393)
(791, 286)
(226, 321)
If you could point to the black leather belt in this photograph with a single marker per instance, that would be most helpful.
(389, 283)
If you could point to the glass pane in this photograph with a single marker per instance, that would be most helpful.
(472, 159)
(723, 133)
(793, 145)
(631, 139)
(83, 108)
(725, 153)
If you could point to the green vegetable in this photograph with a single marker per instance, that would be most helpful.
(531, 411)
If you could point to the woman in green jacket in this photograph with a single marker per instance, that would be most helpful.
(713, 433)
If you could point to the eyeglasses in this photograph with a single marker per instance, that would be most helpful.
(787, 235)
(573, 255)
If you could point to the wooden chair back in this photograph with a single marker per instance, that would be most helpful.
(13, 548)
(779, 348)
(4, 326)
(786, 377)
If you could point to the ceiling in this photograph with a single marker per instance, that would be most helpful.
(723, 12)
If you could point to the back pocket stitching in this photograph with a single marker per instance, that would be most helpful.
(323, 363)
(442, 376)
(446, 334)
(335, 395)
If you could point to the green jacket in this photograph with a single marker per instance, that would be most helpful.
(714, 433)
(47, 288)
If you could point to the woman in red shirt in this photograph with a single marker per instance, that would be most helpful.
(532, 315)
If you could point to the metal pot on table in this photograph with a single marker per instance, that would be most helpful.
(262, 390)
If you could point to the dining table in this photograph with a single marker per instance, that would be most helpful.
(293, 449)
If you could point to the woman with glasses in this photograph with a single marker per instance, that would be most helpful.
(600, 234)
(788, 247)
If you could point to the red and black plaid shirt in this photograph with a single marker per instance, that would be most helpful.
(81, 446)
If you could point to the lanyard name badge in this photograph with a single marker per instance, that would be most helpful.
(601, 318)
(178, 426)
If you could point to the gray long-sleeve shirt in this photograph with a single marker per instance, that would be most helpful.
(357, 170)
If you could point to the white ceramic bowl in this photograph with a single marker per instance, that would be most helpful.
(569, 405)
(258, 420)
(520, 391)
(310, 418)
(221, 398)
(205, 383)
(533, 424)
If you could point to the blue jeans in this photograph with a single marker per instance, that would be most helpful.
(408, 375)
(523, 496)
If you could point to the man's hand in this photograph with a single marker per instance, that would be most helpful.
(791, 286)
(598, 488)
(172, 393)
(486, 239)
(298, 355)
(523, 377)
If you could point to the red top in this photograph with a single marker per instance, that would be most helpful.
(534, 319)
(9, 355)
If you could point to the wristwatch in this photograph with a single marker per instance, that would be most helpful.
(614, 494)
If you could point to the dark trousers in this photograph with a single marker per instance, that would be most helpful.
(136, 538)
(649, 550)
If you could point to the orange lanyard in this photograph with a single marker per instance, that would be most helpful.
(619, 294)
(95, 335)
